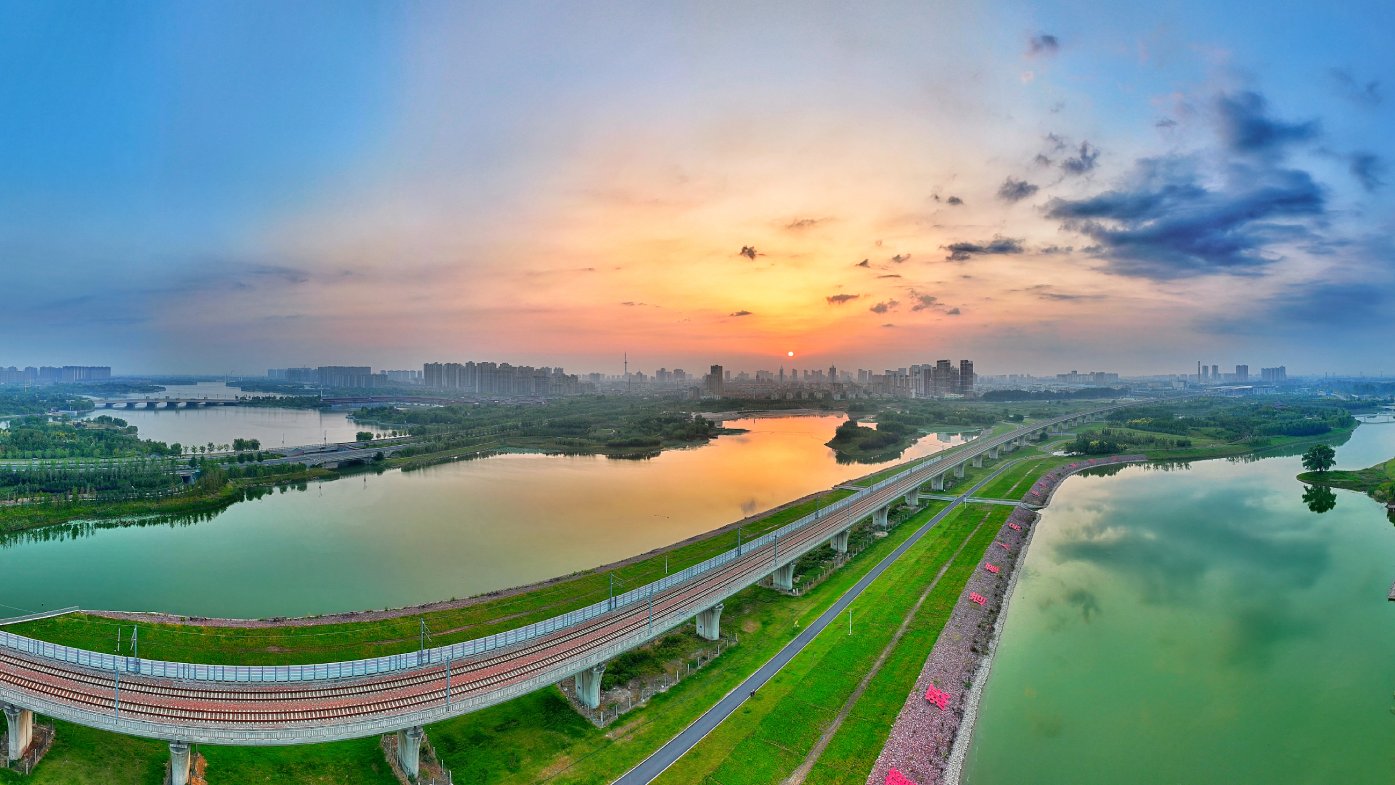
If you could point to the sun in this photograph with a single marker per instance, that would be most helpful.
(789, 354)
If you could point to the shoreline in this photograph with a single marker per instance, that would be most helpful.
(929, 744)
(959, 753)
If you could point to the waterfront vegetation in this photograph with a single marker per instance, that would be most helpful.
(1376, 481)
(102, 436)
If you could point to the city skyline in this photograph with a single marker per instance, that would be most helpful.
(213, 188)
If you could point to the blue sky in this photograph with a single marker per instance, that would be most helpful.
(232, 186)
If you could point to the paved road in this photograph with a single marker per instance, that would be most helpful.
(650, 768)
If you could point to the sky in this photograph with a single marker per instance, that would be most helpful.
(230, 186)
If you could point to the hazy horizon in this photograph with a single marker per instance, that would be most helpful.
(223, 187)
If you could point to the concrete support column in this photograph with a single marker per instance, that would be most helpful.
(709, 623)
(913, 497)
(978, 461)
(879, 517)
(588, 686)
(993, 453)
(937, 482)
(783, 577)
(959, 471)
(179, 763)
(840, 541)
(409, 750)
(20, 723)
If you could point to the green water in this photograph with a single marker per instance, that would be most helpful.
(1199, 626)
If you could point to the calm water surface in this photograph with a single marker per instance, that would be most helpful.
(1199, 626)
(448, 531)
(221, 424)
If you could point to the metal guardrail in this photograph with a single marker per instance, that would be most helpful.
(479, 646)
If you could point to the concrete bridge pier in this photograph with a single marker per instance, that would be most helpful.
(978, 461)
(959, 471)
(840, 541)
(709, 623)
(913, 497)
(20, 723)
(783, 577)
(879, 517)
(409, 749)
(993, 453)
(179, 763)
(937, 483)
(588, 686)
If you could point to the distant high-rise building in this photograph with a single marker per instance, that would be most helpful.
(1215, 373)
(1279, 374)
(715, 382)
(966, 377)
(1242, 373)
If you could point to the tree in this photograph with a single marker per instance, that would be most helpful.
(1319, 458)
(1319, 498)
(363, 436)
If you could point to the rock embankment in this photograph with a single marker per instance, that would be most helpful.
(922, 746)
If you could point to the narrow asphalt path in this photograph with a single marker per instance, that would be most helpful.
(651, 767)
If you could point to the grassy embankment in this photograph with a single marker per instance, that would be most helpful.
(1376, 481)
(351, 640)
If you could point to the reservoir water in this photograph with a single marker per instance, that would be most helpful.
(1199, 625)
(448, 531)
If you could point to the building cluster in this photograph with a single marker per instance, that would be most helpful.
(338, 376)
(931, 380)
(1211, 374)
(1087, 378)
(54, 375)
(502, 380)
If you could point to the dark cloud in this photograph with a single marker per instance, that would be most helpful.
(1052, 250)
(864, 263)
(1358, 92)
(901, 257)
(1170, 224)
(954, 200)
(1166, 122)
(1083, 161)
(888, 324)
(952, 312)
(1043, 44)
(631, 303)
(740, 313)
(883, 307)
(1043, 161)
(1368, 169)
(1014, 190)
(803, 223)
(1048, 292)
(889, 275)
(839, 299)
(1246, 126)
(1300, 309)
(924, 301)
(748, 251)
(962, 252)
(1056, 143)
